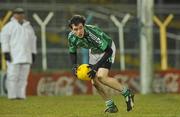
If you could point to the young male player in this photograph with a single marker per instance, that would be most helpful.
(101, 56)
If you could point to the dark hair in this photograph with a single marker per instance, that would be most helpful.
(77, 19)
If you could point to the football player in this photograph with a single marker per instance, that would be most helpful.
(101, 56)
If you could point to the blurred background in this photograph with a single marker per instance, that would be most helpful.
(100, 12)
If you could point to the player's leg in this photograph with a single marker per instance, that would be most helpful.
(12, 78)
(100, 89)
(102, 76)
(111, 107)
(22, 81)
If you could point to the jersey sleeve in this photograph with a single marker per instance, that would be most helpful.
(71, 44)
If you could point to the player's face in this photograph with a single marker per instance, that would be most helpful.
(78, 30)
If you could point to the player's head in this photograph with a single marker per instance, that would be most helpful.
(18, 13)
(76, 23)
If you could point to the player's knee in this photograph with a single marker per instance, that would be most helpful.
(101, 78)
(102, 75)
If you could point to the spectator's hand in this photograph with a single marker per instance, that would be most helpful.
(33, 57)
(74, 70)
(7, 56)
(92, 73)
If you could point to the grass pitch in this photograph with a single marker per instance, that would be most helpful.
(153, 105)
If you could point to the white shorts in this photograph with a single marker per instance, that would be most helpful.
(94, 58)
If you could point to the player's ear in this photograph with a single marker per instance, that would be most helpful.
(70, 28)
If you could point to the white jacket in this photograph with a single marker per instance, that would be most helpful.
(19, 40)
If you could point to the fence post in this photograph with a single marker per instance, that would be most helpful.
(43, 36)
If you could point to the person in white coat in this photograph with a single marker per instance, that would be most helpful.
(18, 41)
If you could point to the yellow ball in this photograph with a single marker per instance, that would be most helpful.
(82, 72)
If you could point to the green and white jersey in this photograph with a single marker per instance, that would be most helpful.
(94, 39)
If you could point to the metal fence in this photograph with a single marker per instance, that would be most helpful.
(57, 31)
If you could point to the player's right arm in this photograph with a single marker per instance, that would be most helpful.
(72, 48)
(73, 52)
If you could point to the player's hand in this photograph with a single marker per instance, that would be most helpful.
(92, 73)
(7, 56)
(74, 70)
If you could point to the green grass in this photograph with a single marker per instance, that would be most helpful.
(154, 105)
